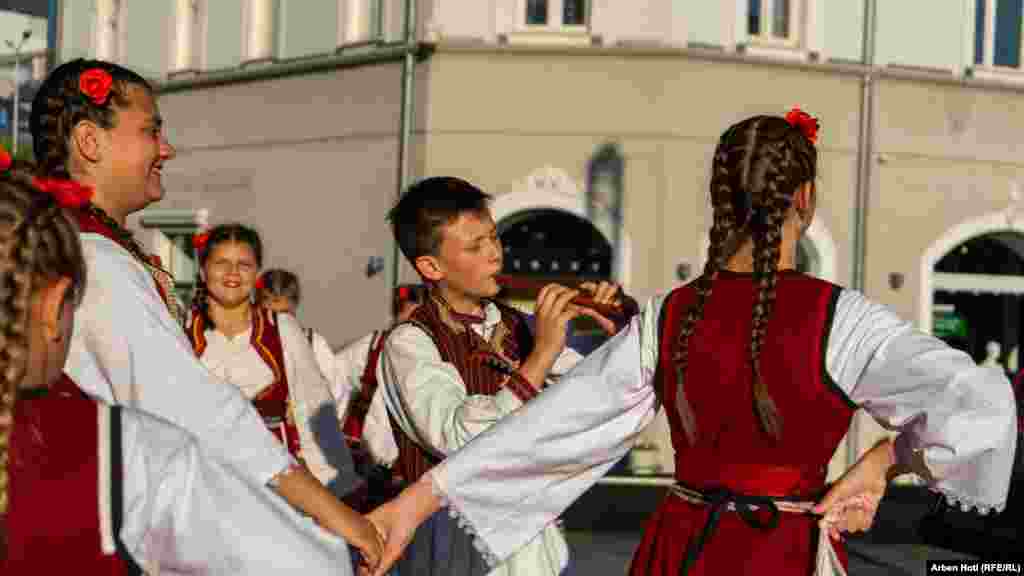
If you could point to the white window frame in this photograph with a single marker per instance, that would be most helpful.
(158, 226)
(765, 36)
(987, 69)
(553, 30)
(795, 46)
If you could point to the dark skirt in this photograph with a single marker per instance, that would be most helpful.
(441, 548)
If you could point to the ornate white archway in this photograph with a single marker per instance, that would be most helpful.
(553, 188)
(1001, 221)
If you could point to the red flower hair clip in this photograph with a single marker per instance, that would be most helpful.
(199, 241)
(807, 124)
(95, 83)
(5, 159)
(260, 284)
(67, 193)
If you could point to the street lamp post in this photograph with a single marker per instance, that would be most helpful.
(16, 103)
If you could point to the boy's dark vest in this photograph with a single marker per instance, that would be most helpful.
(483, 365)
(273, 402)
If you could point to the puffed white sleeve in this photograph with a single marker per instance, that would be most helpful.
(127, 349)
(520, 475)
(316, 417)
(954, 418)
(187, 512)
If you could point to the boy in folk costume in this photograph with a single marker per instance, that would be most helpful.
(87, 488)
(98, 124)
(760, 368)
(463, 361)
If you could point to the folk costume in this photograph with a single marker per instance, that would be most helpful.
(128, 348)
(827, 350)
(448, 377)
(273, 366)
(97, 489)
(361, 407)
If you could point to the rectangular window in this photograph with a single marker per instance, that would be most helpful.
(536, 12)
(997, 33)
(772, 19)
(555, 14)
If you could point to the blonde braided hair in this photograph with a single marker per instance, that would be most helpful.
(38, 243)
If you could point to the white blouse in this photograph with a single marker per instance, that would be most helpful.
(349, 365)
(235, 361)
(127, 349)
(430, 402)
(958, 417)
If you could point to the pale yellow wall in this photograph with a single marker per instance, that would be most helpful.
(311, 162)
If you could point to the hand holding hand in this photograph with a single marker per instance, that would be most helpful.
(852, 502)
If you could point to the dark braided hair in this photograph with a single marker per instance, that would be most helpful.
(758, 166)
(60, 105)
(38, 243)
(280, 282)
(426, 207)
(233, 232)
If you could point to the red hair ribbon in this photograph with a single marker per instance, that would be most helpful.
(95, 83)
(199, 241)
(806, 123)
(67, 193)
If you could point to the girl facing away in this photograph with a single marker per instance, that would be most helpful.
(86, 487)
(760, 368)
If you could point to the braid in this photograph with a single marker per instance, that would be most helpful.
(769, 208)
(759, 163)
(201, 301)
(722, 230)
(37, 242)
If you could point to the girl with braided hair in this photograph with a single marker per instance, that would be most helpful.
(760, 368)
(265, 354)
(90, 488)
(98, 124)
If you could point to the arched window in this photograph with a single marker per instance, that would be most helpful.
(978, 289)
(556, 246)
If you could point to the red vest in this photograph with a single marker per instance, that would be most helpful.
(718, 376)
(482, 364)
(273, 402)
(53, 515)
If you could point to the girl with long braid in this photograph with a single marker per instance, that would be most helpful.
(760, 368)
(265, 354)
(88, 488)
(98, 124)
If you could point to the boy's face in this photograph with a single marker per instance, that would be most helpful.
(470, 256)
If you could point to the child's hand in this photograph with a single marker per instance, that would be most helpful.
(369, 541)
(604, 293)
(850, 505)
